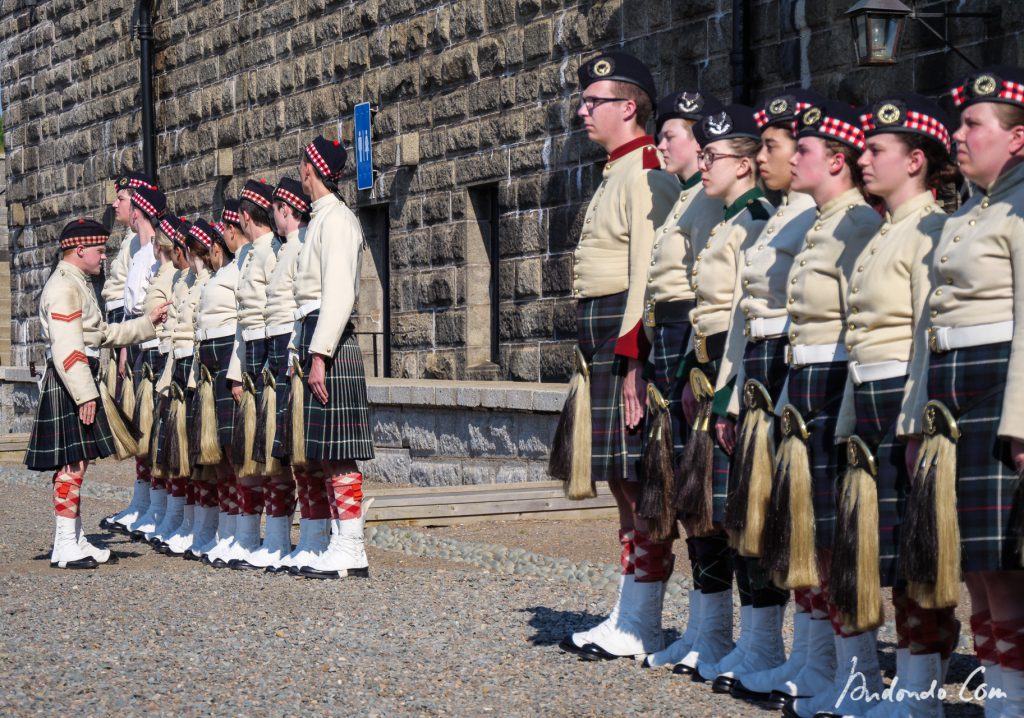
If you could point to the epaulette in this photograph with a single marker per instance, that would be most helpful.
(652, 160)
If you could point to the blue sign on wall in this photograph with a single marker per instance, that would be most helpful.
(364, 152)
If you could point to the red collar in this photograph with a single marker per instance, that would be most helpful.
(625, 149)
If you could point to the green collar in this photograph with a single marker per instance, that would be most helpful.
(742, 202)
(692, 182)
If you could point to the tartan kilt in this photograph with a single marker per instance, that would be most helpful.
(277, 360)
(877, 404)
(765, 361)
(156, 362)
(215, 354)
(182, 369)
(59, 438)
(667, 351)
(816, 390)
(115, 316)
(616, 451)
(339, 430)
(986, 479)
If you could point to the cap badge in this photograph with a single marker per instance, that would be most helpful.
(888, 114)
(719, 124)
(602, 68)
(689, 102)
(984, 85)
(778, 106)
(812, 116)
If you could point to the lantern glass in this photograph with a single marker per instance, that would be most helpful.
(877, 26)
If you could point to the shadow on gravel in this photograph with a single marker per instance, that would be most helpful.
(552, 626)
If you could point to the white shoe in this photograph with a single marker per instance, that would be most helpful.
(204, 532)
(136, 507)
(857, 668)
(102, 555)
(151, 519)
(346, 552)
(757, 686)
(246, 539)
(715, 639)
(633, 629)
(710, 670)
(67, 552)
(819, 670)
(674, 653)
(180, 540)
(173, 514)
(222, 541)
(277, 543)
(765, 650)
(314, 537)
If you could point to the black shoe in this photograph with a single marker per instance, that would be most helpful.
(782, 701)
(743, 693)
(108, 524)
(681, 669)
(240, 564)
(189, 556)
(113, 559)
(307, 572)
(85, 562)
(723, 684)
(137, 536)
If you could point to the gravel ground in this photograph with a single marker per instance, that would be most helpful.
(429, 634)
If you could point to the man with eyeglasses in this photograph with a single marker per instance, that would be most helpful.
(609, 283)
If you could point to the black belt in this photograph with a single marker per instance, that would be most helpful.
(673, 312)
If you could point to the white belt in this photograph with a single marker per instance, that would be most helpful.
(183, 352)
(766, 327)
(228, 330)
(89, 352)
(804, 354)
(277, 330)
(944, 339)
(307, 308)
(166, 346)
(876, 371)
(251, 335)
(114, 304)
(151, 344)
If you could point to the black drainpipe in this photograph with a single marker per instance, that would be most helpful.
(739, 57)
(144, 29)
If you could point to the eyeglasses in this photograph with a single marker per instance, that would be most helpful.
(708, 158)
(591, 102)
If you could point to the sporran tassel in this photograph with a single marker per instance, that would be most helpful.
(208, 443)
(657, 482)
(930, 541)
(125, 437)
(854, 579)
(266, 427)
(176, 449)
(695, 495)
(157, 461)
(751, 476)
(571, 445)
(128, 394)
(795, 564)
(297, 418)
(245, 431)
(143, 416)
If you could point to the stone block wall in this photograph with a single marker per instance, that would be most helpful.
(472, 94)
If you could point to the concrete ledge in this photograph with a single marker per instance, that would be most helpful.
(508, 395)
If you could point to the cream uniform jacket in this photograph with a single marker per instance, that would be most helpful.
(716, 270)
(888, 300)
(614, 251)
(327, 273)
(160, 290)
(251, 294)
(668, 277)
(179, 319)
(73, 325)
(281, 306)
(820, 274)
(978, 278)
(113, 287)
(218, 308)
(764, 277)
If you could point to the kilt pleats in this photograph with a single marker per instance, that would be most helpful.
(339, 430)
(215, 354)
(58, 436)
(816, 390)
(667, 351)
(963, 380)
(616, 450)
(877, 404)
(277, 360)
